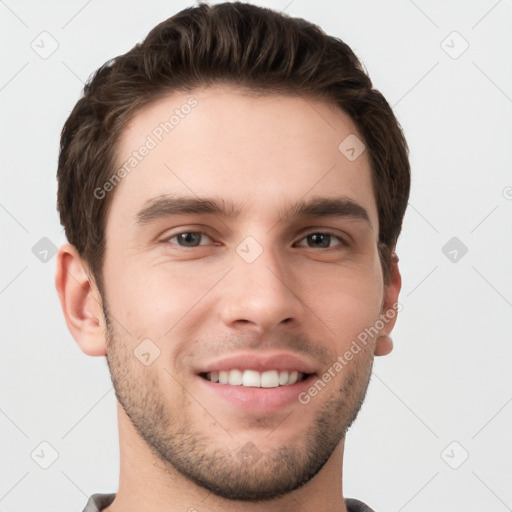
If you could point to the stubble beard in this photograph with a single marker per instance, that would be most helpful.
(258, 474)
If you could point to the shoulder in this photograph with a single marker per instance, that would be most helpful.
(354, 505)
(98, 502)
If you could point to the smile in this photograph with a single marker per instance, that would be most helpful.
(255, 379)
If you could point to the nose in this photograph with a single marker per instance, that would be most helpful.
(261, 295)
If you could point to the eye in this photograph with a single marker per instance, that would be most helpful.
(188, 238)
(318, 240)
(322, 240)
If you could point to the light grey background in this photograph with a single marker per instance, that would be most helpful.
(448, 379)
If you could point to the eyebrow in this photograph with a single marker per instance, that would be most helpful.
(166, 206)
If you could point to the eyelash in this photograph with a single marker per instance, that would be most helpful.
(343, 242)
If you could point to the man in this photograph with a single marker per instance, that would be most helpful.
(232, 190)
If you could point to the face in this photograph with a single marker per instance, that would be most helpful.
(241, 262)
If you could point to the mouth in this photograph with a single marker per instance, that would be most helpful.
(255, 379)
(256, 382)
(253, 392)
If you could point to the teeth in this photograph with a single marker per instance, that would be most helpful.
(255, 379)
(270, 379)
(235, 378)
(251, 379)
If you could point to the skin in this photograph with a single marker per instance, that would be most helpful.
(179, 444)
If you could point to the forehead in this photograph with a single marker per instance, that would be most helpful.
(256, 151)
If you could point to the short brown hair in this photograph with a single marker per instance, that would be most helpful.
(236, 43)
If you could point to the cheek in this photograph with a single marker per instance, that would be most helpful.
(349, 302)
(155, 298)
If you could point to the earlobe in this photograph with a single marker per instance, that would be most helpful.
(384, 344)
(80, 302)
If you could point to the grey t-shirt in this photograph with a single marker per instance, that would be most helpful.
(98, 502)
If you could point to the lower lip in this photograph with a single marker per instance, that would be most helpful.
(257, 400)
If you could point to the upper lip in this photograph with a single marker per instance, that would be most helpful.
(260, 362)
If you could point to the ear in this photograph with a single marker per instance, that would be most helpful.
(390, 309)
(80, 301)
